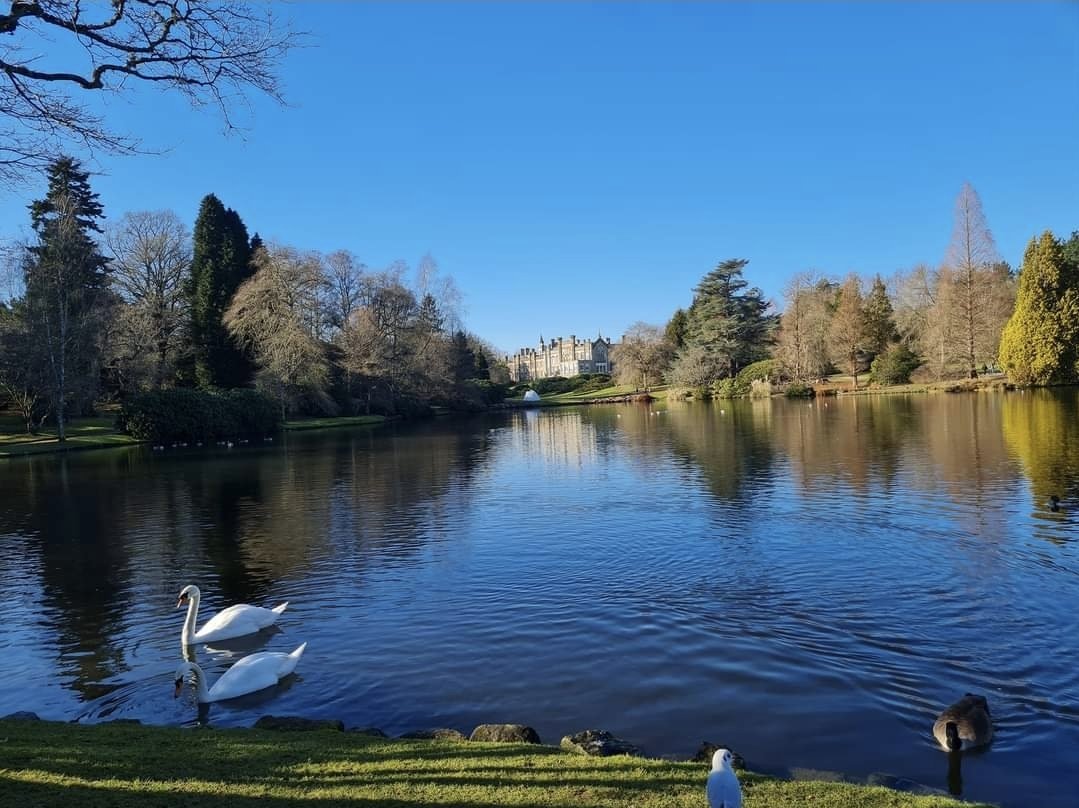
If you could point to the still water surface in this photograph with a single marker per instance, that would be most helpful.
(807, 582)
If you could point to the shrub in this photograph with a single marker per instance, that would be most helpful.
(727, 388)
(760, 388)
(894, 366)
(799, 390)
(168, 416)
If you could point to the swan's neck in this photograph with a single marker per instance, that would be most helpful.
(187, 637)
(200, 683)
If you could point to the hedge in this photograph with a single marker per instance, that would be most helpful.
(170, 416)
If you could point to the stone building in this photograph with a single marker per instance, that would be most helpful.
(561, 357)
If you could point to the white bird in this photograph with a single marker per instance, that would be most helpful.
(253, 672)
(723, 789)
(235, 621)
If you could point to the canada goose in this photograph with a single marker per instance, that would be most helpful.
(964, 725)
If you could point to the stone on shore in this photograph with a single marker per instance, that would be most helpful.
(707, 749)
(438, 734)
(504, 733)
(598, 743)
(291, 723)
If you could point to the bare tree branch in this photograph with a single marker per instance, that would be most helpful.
(211, 51)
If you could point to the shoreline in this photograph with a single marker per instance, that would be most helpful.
(295, 761)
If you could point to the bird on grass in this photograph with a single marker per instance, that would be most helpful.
(723, 789)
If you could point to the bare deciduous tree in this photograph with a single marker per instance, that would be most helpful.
(207, 50)
(848, 332)
(151, 260)
(980, 298)
(643, 355)
(344, 286)
(271, 313)
(802, 346)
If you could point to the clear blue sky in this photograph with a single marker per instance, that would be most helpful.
(577, 167)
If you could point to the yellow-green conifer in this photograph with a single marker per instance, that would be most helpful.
(1040, 343)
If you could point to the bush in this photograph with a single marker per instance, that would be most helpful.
(760, 388)
(727, 388)
(189, 416)
(799, 390)
(894, 366)
(585, 383)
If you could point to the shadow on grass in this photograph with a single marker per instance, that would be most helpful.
(61, 764)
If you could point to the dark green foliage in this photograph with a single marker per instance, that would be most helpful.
(189, 416)
(799, 390)
(554, 385)
(880, 330)
(740, 385)
(429, 317)
(66, 294)
(677, 328)
(729, 321)
(221, 261)
(894, 366)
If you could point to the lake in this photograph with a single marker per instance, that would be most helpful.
(808, 582)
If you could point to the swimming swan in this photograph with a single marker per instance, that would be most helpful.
(964, 725)
(253, 672)
(723, 789)
(235, 621)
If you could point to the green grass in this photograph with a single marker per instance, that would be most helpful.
(578, 397)
(327, 423)
(60, 764)
(82, 433)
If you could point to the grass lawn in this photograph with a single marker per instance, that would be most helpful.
(61, 764)
(326, 423)
(82, 433)
(578, 397)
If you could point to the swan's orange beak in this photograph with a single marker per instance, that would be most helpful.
(181, 601)
(179, 687)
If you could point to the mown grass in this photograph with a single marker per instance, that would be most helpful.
(578, 397)
(82, 433)
(57, 764)
(327, 423)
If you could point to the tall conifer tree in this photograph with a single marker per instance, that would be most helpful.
(727, 320)
(65, 275)
(1040, 343)
(221, 261)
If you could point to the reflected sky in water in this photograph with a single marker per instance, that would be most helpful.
(807, 582)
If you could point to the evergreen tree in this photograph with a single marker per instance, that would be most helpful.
(463, 358)
(1040, 343)
(880, 331)
(221, 261)
(65, 275)
(429, 317)
(483, 367)
(676, 329)
(730, 324)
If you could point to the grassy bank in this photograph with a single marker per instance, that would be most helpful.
(60, 764)
(82, 433)
(328, 423)
(100, 433)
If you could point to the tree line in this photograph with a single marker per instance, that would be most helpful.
(970, 315)
(146, 305)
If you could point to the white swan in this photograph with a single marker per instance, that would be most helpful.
(722, 788)
(235, 621)
(253, 672)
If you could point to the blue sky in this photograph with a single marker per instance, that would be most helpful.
(577, 167)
